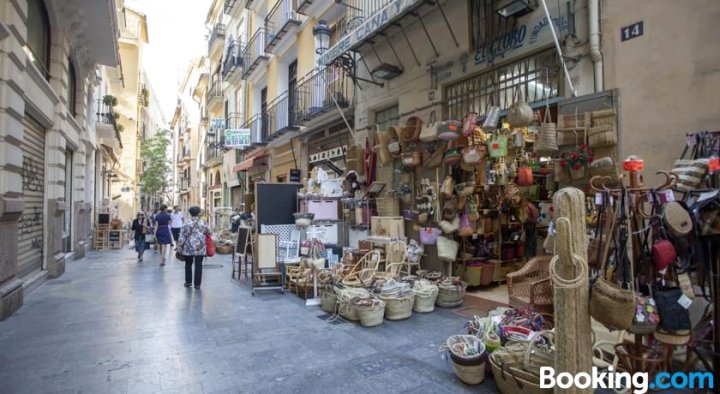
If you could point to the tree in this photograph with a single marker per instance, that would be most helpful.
(155, 175)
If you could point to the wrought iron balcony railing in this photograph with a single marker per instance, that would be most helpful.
(229, 5)
(234, 120)
(233, 60)
(215, 150)
(279, 22)
(215, 91)
(106, 114)
(280, 115)
(315, 92)
(184, 184)
(254, 52)
(258, 130)
(217, 35)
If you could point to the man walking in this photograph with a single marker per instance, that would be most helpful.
(176, 223)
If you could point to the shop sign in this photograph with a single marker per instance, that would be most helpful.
(632, 31)
(294, 175)
(519, 40)
(217, 123)
(377, 21)
(237, 138)
(328, 154)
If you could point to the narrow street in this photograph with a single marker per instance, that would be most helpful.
(119, 326)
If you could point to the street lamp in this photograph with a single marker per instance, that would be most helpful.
(321, 32)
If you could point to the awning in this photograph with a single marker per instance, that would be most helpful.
(249, 163)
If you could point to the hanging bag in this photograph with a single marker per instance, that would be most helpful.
(429, 235)
(447, 249)
(429, 130)
(411, 159)
(492, 116)
(469, 123)
(498, 146)
(519, 114)
(524, 176)
(411, 131)
(674, 316)
(663, 251)
(432, 157)
(449, 130)
(546, 139)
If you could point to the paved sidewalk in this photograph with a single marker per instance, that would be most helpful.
(113, 325)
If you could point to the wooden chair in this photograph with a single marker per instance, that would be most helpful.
(531, 287)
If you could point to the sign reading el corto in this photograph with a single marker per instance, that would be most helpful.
(378, 20)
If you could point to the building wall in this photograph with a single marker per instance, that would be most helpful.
(667, 78)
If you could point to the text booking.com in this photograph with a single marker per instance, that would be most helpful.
(640, 382)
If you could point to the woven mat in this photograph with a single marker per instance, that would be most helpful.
(475, 306)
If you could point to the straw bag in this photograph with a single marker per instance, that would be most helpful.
(498, 146)
(452, 156)
(411, 131)
(601, 136)
(429, 235)
(519, 114)
(448, 187)
(449, 130)
(472, 154)
(524, 176)
(447, 249)
(469, 123)
(411, 159)
(429, 130)
(432, 157)
(677, 219)
(382, 147)
(546, 139)
(690, 173)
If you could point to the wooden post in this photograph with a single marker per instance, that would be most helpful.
(573, 349)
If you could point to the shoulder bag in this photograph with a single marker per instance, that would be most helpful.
(411, 131)
(519, 114)
(429, 130)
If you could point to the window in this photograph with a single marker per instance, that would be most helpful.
(71, 89)
(217, 178)
(38, 35)
(387, 117)
(537, 76)
(281, 178)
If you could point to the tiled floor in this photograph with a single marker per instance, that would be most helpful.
(111, 324)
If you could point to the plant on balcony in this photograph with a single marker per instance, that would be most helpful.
(120, 128)
(110, 100)
(145, 94)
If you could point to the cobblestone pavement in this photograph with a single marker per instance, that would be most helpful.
(113, 325)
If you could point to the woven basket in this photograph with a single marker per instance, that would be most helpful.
(451, 296)
(537, 357)
(511, 379)
(469, 374)
(612, 305)
(328, 302)
(411, 131)
(601, 136)
(224, 249)
(370, 314)
(571, 137)
(546, 139)
(348, 311)
(398, 308)
(425, 301)
(388, 206)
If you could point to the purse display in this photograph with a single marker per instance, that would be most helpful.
(429, 130)
(519, 114)
(449, 130)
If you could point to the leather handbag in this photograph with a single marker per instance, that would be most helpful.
(524, 176)
(673, 316)
(179, 255)
(209, 246)
(429, 130)
(663, 253)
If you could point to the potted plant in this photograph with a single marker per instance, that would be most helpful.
(110, 100)
(577, 161)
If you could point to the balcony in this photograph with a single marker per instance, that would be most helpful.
(281, 24)
(217, 40)
(106, 125)
(280, 116)
(328, 10)
(254, 53)
(184, 185)
(214, 150)
(234, 120)
(315, 92)
(229, 6)
(232, 64)
(258, 131)
(215, 96)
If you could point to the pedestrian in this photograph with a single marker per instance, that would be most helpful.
(192, 246)
(141, 226)
(177, 221)
(154, 225)
(163, 236)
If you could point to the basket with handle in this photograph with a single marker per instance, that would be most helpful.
(398, 306)
(450, 294)
(370, 311)
(425, 296)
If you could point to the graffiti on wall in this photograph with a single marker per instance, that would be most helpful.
(31, 175)
(29, 220)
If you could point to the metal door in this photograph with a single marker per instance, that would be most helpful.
(30, 226)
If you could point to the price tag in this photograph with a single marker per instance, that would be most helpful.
(669, 195)
(598, 198)
(691, 140)
(684, 301)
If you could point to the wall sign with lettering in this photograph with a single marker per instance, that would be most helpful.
(631, 31)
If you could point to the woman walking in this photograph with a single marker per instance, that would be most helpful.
(191, 244)
(163, 236)
(141, 227)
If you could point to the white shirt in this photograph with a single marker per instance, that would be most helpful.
(176, 219)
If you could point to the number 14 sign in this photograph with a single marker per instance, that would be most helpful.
(631, 31)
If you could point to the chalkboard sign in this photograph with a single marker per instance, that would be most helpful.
(103, 218)
(242, 240)
(114, 236)
(275, 203)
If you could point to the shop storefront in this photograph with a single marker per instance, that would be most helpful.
(30, 228)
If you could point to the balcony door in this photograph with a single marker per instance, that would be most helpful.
(263, 113)
(292, 92)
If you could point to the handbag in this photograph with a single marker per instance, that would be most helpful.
(690, 173)
(432, 157)
(209, 246)
(447, 249)
(466, 227)
(546, 139)
(449, 130)
(411, 131)
(498, 146)
(448, 187)
(611, 304)
(429, 235)
(179, 255)
(524, 176)
(677, 219)
(411, 159)
(519, 114)
(471, 155)
(429, 130)
(673, 316)
(382, 147)
(469, 123)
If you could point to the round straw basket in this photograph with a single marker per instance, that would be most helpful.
(510, 379)
(451, 296)
(328, 302)
(469, 374)
(399, 308)
(371, 314)
(347, 310)
(425, 300)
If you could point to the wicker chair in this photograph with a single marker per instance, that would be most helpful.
(531, 287)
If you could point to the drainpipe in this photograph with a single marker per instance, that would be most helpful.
(595, 54)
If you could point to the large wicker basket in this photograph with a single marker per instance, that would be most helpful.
(224, 249)
(348, 311)
(370, 313)
(328, 302)
(451, 295)
(399, 308)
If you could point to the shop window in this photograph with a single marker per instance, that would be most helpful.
(387, 117)
(71, 89)
(281, 178)
(538, 77)
(38, 35)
